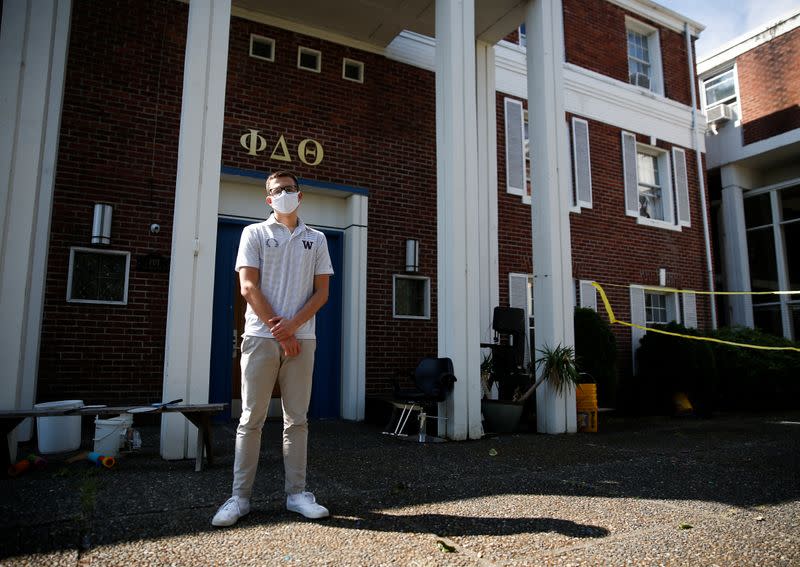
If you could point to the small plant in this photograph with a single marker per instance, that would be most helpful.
(487, 366)
(559, 369)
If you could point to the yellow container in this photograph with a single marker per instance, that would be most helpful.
(586, 401)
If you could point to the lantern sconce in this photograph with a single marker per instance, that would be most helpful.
(412, 255)
(101, 224)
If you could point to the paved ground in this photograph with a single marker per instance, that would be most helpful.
(657, 491)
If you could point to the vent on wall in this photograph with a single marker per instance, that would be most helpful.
(353, 70)
(262, 47)
(309, 59)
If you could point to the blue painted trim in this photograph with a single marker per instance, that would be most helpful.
(260, 175)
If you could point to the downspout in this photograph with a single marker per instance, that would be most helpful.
(700, 175)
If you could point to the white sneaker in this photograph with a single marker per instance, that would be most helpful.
(304, 503)
(230, 512)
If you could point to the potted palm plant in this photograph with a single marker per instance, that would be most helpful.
(558, 368)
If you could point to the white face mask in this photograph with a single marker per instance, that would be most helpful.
(286, 202)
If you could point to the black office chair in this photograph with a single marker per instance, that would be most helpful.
(433, 379)
(508, 354)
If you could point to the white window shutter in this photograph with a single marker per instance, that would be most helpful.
(518, 297)
(515, 147)
(630, 174)
(690, 310)
(681, 186)
(583, 168)
(588, 295)
(637, 318)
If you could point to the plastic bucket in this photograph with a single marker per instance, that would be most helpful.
(59, 434)
(109, 434)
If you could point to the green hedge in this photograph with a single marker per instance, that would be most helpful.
(713, 375)
(756, 379)
(668, 365)
(596, 354)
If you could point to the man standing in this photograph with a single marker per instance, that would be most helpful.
(284, 268)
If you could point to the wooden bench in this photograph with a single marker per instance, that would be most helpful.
(198, 414)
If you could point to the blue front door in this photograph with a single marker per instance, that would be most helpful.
(228, 323)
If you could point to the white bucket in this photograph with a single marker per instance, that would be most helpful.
(59, 434)
(109, 434)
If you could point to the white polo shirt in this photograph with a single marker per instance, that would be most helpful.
(287, 264)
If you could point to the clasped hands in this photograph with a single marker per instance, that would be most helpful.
(283, 330)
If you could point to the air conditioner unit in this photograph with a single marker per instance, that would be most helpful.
(718, 114)
(640, 80)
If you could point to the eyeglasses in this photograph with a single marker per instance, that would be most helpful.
(274, 192)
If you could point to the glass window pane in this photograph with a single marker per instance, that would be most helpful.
(763, 267)
(791, 244)
(410, 297)
(98, 277)
(794, 315)
(720, 88)
(647, 168)
(790, 203)
(768, 319)
(757, 211)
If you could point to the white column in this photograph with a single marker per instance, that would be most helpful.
(737, 266)
(781, 263)
(552, 248)
(33, 46)
(457, 212)
(191, 279)
(354, 310)
(737, 179)
(487, 188)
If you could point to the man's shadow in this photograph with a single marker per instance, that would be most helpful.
(448, 526)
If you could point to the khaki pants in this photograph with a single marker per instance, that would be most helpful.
(263, 361)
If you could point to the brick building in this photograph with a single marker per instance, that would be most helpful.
(165, 117)
(751, 93)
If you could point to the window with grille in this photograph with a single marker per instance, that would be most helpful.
(98, 276)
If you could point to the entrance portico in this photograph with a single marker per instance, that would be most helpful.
(466, 183)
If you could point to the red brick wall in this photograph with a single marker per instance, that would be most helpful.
(380, 135)
(610, 247)
(607, 245)
(769, 87)
(118, 144)
(595, 38)
(515, 253)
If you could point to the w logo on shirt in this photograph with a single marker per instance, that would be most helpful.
(307, 244)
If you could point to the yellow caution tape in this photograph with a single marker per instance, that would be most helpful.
(696, 292)
(613, 320)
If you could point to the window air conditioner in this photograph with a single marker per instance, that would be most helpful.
(718, 114)
(640, 80)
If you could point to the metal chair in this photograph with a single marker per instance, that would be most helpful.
(433, 379)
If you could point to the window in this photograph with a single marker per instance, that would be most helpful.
(523, 37)
(262, 47)
(411, 297)
(309, 59)
(721, 89)
(650, 195)
(772, 222)
(655, 308)
(527, 145)
(520, 295)
(353, 70)
(650, 307)
(638, 60)
(98, 276)
(644, 56)
(651, 202)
